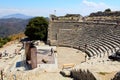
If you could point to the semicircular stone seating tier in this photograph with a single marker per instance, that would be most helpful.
(107, 45)
(101, 39)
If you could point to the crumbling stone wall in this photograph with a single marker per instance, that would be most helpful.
(82, 75)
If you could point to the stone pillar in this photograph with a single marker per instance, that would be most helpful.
(33, 57)
(27, 51)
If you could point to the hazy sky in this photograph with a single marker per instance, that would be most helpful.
(58, 7)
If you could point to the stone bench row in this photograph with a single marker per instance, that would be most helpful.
(106, 45)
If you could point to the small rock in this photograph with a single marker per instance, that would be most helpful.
(65, 73)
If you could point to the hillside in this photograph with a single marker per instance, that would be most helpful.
(12, 26)
(17, 15)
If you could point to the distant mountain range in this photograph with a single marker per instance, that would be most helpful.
(18, 15)
(11, 26)
(14, 23)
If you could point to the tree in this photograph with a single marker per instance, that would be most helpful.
(107, 10)
(37, 29)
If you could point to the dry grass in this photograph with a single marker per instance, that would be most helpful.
(103, 73)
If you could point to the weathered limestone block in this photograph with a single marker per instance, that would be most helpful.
(65, 73)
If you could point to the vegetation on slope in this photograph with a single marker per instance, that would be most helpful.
(107, 12)
(3, 41)
(13, 37)
(12, 26)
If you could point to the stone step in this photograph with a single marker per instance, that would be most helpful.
(113, 42)
(94, 50)
(109, 47)
(104, 49)
(102, 46)
(89, 53)
(107, 42)
(111, 36)
(117, 40)
(114, 39)
(101, 49)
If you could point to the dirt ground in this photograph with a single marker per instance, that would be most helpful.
(69, 55)
(65, 55)
(107, 76)
(10, 49)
